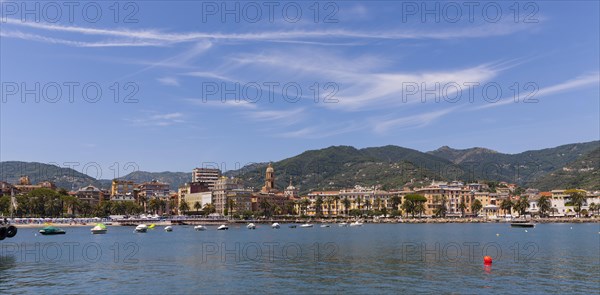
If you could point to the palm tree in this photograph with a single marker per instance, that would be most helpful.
(319, 206)
(506, 205)
(377, 203)
(368, 205)
(462, 207)
(396, 201)
(197, 206)
(230, 205)
(347, 204)
(521, 205)
(544, 205)
(358, 204)
(184, 207)
(420, 208)
(577, 198)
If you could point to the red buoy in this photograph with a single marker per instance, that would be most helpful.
(487, 260)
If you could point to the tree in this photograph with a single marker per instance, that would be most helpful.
(359, 204)
(544, 205)
(577, 198)
(368, 205)
(208, 209)
(197, 206)
(328, 202)
(346, 202)
(462, 207)
(230, 205)
(336, 200)
(396, 201)
(441, 210)
(476, 207)
(319, 206)
(506, 205)
(414, 203)
(521, 205)
(183, 207)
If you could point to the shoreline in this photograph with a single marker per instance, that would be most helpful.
(324, 221)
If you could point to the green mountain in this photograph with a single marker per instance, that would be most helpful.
(67, 178)
(174, 179)
(572, 165)
(344, 166)
(523, 168)
(584, 173)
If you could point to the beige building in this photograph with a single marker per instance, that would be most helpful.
(206, 175)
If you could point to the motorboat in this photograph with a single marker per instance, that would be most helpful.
(306, 225)
(142, 228)
(356, 223)
(343, 224)
(223, 227)
(200, 227)
(168, 228)
(51, 230)
(275, 225)
(99, 229)
(324, 225)
(251, 226)
(522, 223)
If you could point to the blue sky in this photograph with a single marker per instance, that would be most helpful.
(374, 60)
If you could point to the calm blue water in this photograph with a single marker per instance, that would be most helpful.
(375, 258)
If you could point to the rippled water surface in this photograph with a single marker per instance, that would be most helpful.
(374, 258)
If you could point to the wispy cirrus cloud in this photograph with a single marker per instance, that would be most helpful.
(585, 80)
(412, 121)
(155, 119)
(153, 37)
(169, 81)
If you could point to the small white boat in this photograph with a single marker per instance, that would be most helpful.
(324, 225)
(343, 224)
(200, 227)
(306, 225)
(99, 229)
(251, 226)
(168, 228)
(142, 228)
(223, 227)
(275, 225)
(356, 223)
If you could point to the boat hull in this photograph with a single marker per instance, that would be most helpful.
(522, 225)
(99, 232)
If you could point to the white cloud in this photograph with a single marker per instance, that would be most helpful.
(575, 83)
(419, 120)
(152, 37)
(169, 81)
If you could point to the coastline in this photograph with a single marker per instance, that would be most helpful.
(409, 221)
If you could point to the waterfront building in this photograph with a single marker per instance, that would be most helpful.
(24, 185)
(206, 175)
(230, 196)
(452, 195)
(90, 194)
(192, 192)
(123, 190)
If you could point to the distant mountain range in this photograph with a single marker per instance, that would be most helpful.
(566, 166)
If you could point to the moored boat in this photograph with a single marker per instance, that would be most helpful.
(275, 225)
(168, 228)
(200, 227)
(142, 228)
(51, 230)
(306, 225)
(356, 223)
(99, 229)
(223, 227)
(343, 224)
(324, 225)
(522, 223)
(251, 226)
